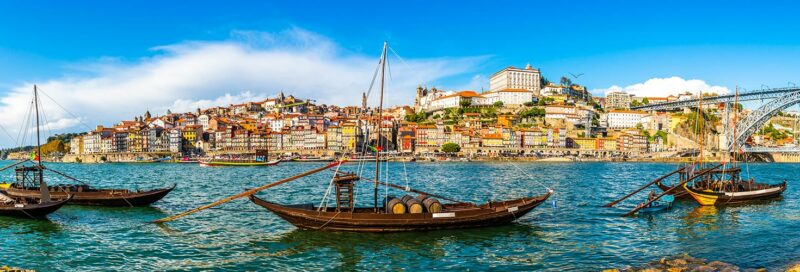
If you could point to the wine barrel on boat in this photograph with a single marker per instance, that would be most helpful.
(432, 205)
(394, 205)
(414, 205)
(405, 198)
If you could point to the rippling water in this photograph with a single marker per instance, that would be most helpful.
(574, 234)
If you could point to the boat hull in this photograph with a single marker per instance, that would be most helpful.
(35, 211)
(228, 163)
(456, 216)
(679, 193)
(105, 197)
(717, 198)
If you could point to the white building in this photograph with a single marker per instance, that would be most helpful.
(515, 78)
(619, 119)
(203, 120)
(445, 100)
(507, 96)
(618, 100)
(176, 140)
(91, 143)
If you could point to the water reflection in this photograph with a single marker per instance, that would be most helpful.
(353, 248)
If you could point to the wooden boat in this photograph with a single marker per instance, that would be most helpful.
(84, 194)
(259, 159)
(663, 204)
(453, 216)
(738, 193)
(28, 207)
(234, 162)
(312, 159)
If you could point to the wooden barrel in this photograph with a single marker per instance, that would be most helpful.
(422, 198)
(432, 205)
(414, 205)
(394, 205)
(405, 198)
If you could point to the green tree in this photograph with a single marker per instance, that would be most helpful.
(465, 103)
(498, 104)
(645, 101)
(663, 135)
(451, 147)
(565, 81)
(529, 104)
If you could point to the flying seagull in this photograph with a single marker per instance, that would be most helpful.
(576, 76)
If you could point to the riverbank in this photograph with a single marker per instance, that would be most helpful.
(686, 262)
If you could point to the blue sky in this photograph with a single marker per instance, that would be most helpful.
(80, 50)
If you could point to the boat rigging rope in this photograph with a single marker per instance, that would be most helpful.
(65, 109)
(329, 220)
(324, 201)
(550, 190)
(8, 134)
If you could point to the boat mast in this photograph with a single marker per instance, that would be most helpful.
(701, 119)
(378, 126)
(42, 185)
(38, 143)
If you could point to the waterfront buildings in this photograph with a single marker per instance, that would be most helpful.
(516, 116)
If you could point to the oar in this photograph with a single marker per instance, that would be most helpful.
(701, 173)
(645, 186)
(14, 164)
(248, 192)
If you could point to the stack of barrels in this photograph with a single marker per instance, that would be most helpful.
(409, 204)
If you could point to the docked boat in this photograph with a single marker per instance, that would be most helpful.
(259, 159)
(312, 159)
(82, 194)
(29, 183)
(28, 207)
(237, 162)
(366, 219)
(723, 188)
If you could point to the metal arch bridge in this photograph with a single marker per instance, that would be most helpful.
(757, 118)
(781, 98)
(765, 149)
(762, 94)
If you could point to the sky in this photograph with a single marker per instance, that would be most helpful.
(98, 62)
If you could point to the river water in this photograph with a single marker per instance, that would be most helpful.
(574, 233)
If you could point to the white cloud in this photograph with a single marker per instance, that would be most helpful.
(251, 65)
(662, 87)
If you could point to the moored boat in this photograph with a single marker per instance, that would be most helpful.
(234, 162)
(452, 216)
(84, 194)
(28, 207)
(733, 192)
(260, 158)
